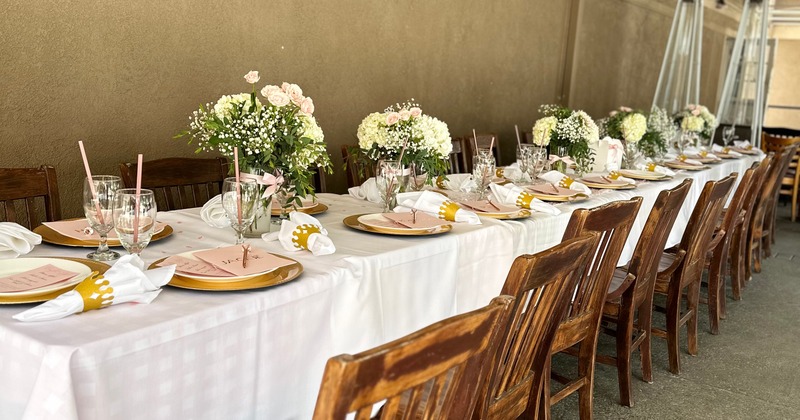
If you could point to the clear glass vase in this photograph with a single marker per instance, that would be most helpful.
(560, 165)
(631, 155)
(263, 212)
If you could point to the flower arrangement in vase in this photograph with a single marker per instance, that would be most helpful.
(421, 142)
(570, 133)
(629, 126)
(660, 130)
(279, 140)
(696, 122)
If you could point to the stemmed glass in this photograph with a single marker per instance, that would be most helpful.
(134, 222)
(239, 201)
(483, 169)
(728, 134)
(523, 158)
(537, 156)
(98, 211)
(388, 180)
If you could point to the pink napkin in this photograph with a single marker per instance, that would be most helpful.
(549, 189)
(601, 180)
(34, 279)
(76, 229)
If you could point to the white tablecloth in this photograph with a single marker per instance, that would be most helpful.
(260, 354)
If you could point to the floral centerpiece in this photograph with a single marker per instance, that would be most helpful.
(627, 125)
(402, 129)
(696, 121)
(660, 129)
(568, 132)
(278, 139)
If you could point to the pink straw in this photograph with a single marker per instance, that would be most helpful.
(238, 185)
(91, 182)
(138, 195)
(491, 145)
(519, 143)
(475, 138)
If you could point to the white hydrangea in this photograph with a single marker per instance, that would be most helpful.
(227, 103)
(432, 135)
(543, 129)
(579, 126)
(692, 124)
(372, 131)
(633, 127)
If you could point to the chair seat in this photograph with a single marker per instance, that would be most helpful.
(666, 266)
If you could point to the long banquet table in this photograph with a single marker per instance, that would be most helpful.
(260, 354)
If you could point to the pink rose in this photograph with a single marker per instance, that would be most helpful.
(625, 109)
(404, 114)
(415, 111)
(307, 107)
(252, 77)
(268, 89)
(695, 112)
(612, 113)
(278, 98)
(293, 91)
(392, 118)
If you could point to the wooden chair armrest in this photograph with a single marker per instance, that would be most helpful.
(619, 291)
(718, 236)
(679, 256)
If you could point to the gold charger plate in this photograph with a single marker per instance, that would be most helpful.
(316, 209)
(52, 237)
(578, 196)
(35, 298)
(353, 223)
(521, 214)
(705, 159)
(273, 278)
(590, 184)
(742, 150)
(685, 166)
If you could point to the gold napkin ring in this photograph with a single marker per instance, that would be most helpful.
(447, 211)
(95, 291)
(301, 233)
(524, 200)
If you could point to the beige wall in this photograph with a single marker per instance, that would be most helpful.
(125, 76)
(783, 100)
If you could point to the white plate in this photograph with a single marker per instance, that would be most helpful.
(630, 173)
(371, 219)
(20, 265)
(189, 255)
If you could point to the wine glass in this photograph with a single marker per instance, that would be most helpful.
(523, 158)
(728, 135)
(537, 159)
(239, 201)
(134, 218)
(98, 199)
(388, 181)
(483, 169)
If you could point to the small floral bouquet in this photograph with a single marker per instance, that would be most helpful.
(626, 124)
(567, 131)
(423, 141)
(660, 130)
(696, 119)
(279, 137)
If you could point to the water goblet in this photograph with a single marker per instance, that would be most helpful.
(98, 201)
(388, 181)
(239, 201)
(483, 170)
(134, 218)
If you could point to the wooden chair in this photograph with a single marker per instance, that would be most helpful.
(789, 182)
(611, 222)
(542, 286)
(356, 165)
(682, 267)
(740, 264)
(458, 157)
(771, 216)
(23, 186)
(720, 247)
(434, 373)
(484, 141)
(630, 297)
(179, 183)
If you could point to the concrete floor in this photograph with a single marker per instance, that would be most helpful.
(751, 370)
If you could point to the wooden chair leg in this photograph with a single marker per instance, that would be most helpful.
(645, 352)
(586, 370)
(713, 298)
(624, 334)
(737, 264)
(692, 302)
(673, 330)
(544, 404)
(766, 245)
(757, 256)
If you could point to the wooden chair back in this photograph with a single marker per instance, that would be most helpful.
(484, 141)
(357, 167)
(774, 143)
(757, 187)
(434, 373)
(612, 222)
(701, 226)
(458, 157)
(737, 202)
(542, 286)
(653, 240)
(179, 183)
(23, 188)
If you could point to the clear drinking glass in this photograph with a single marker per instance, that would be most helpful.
(134, 219)
(99, 212)
(523, 158)
(537, 160)
(728, 135)
(240, 204)
(388, 181)
(483, 169)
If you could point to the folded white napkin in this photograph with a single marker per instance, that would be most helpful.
(457, 182)
(15, 240)
(673, 156)
(625, 179)
(516, 196)
(744, 144)
(657, 168)
(513, 172)
(214, 214)
(367, 191)
(126, 281)
(719, 149)
(436, 205)
(555, 177)
(302, 232)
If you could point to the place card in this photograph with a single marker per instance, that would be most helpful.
(193, 267)
(550, 189)
(229, 259)
(484, 206)
(423, 220)
(79, 229)
(34, 279)
(603, 180)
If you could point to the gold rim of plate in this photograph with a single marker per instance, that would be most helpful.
(625, 186)
(275, 277)
(316, 209)
(687, 167)
(36, 298)
(559, 198)
(635, 175)
(521, 214)
(352, 222)
(52, 237)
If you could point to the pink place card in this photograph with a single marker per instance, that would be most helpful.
(550, 189)
(423, 220)
(34, 279)
(194, 267)
(229, 259)
(484, 206)
(79, 229)
(602, 180)
(685, 162)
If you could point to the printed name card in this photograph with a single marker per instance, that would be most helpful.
(423, 220)
(603, 180)
(485, 207)
(194, 267)
(80, 229)
(230, 259)
(550, 189)
(34, 279)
